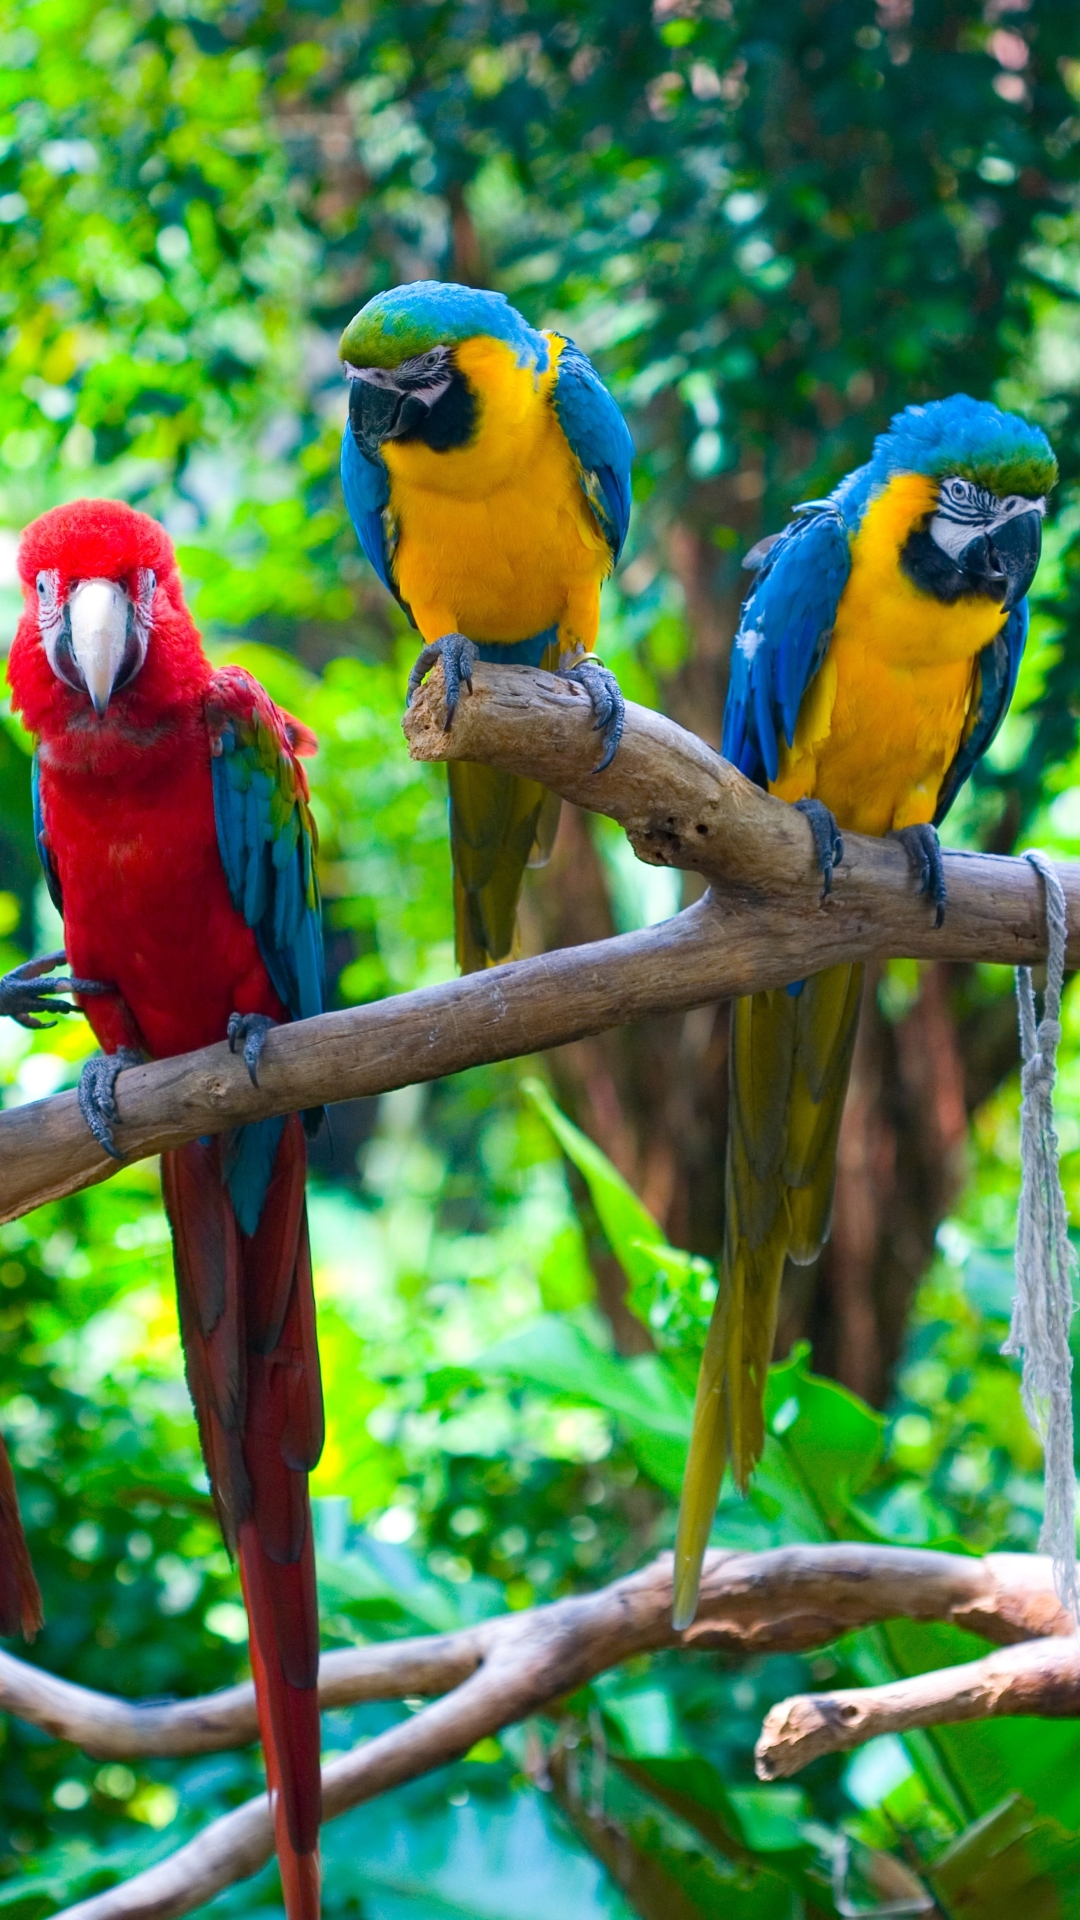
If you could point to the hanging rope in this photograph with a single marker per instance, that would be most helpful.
(1045, 1260)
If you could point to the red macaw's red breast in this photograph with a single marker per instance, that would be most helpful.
(127, 798)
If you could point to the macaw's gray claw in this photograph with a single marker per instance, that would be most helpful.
(923, 849)
(459, 656)
(608, 705)
(97, 1094)
(251, 1030)
(29, 993)
(828, 842)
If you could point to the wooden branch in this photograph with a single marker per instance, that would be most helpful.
(1040, 1677)
(505, 1669)
(682, 806)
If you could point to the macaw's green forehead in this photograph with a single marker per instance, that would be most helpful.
(410, 320)
(970, 438)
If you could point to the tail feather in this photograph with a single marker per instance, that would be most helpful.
(20, 1596)
(248, 1318)
(298, 1864)
(790, 1062)
(494, 822)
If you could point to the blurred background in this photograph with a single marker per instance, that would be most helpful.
(771, 226)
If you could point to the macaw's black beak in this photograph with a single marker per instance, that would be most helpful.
(393, 403)
(1003, 562)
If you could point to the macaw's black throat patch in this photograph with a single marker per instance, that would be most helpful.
(935, 572)
(425, 399)
(451, 422)
(996, 564)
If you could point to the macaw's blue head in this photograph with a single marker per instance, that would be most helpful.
(399, 357)
(993, 471)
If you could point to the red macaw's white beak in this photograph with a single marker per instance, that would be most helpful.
(100, 615)
(96, 640)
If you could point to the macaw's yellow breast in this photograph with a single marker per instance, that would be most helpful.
(495, 539)
(882, 721)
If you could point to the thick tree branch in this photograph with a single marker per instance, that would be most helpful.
(503, 1670)
(793, 1598)
(763, 925)
(1040, 1677)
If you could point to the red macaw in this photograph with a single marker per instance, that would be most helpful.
(174, 829)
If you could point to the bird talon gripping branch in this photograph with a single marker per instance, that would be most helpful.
(486, 470)
(828, 841)
(923, 849)
(97, 1094)
(608, 705)
(459, 656)
(249, 1031)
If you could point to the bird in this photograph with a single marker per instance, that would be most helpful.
(486, 470)
(174, 828)
(875, 658)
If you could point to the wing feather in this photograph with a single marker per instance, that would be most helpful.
(599, 440)
(786, 622)
(998, 666)
(266, 833)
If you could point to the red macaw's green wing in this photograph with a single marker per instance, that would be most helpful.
(266, 832)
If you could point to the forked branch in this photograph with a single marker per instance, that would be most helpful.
(502, 1671)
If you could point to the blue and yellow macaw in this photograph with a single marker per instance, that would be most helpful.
(486, 470)
(875, 659)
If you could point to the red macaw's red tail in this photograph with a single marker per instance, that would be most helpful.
(247, 1314)
(20, 1598)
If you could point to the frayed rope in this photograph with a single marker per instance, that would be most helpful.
(1045, 1260)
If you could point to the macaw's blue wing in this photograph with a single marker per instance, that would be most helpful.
(267, 840)
(366, 486)
(599, 440)
(786, 622)
(266, 833)
(52, 878)
(999, 664)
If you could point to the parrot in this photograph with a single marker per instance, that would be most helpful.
(486, 470)
(875, 658)
(175, 831)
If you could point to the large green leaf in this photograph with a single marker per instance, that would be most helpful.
(629, 1227)
(1010, 1865)
(642, 1394)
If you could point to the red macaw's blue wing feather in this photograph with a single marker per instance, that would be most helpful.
(786, 622)
(999, 664)
(266, 832)
(599, 440)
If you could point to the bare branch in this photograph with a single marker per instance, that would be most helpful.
(506, 1669)
(1040, 1677)
(769, 925)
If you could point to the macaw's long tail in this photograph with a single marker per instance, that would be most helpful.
(247, 1314)
(789, 1066)
(499, 825)
(20, 1598)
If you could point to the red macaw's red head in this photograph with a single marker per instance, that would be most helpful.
(105, 642)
